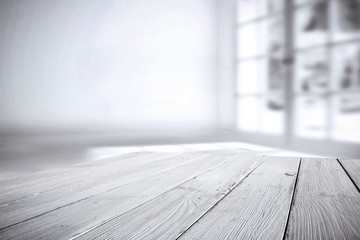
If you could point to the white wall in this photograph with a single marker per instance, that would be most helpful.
(226, 64)
(93, 64)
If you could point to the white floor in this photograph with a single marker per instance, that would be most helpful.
(218, 147)
(33, 156)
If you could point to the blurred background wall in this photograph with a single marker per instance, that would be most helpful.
(85, 76)
(126, 66)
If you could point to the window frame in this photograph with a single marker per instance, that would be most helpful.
(326, 146)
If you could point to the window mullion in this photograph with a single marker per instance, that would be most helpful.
(289, 76)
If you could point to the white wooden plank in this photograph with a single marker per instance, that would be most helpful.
(75, 218)
(49, 180)
(19, 180)
(77, 188)
(256, 209)
(327, 204)
(65, 178)
(166, 216)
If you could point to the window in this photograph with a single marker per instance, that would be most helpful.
(298, 68)
(260, 73)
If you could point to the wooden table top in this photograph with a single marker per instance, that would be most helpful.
(186, 196)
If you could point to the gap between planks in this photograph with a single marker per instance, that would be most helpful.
(292, 200)
(351, 172)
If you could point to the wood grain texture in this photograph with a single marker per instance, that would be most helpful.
(327, 204)
(77, 170)
(166, 216)
(24, 181)
(256, 209)
(77, 217)
(75, 189)
(352, 167)
(23, 187)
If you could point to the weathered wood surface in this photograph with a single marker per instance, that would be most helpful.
(186, 195)
(38, 201)
(166, 216)
(42, 182)
(257, 208)
(74, 218)
(352, 167)
(327, 204)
